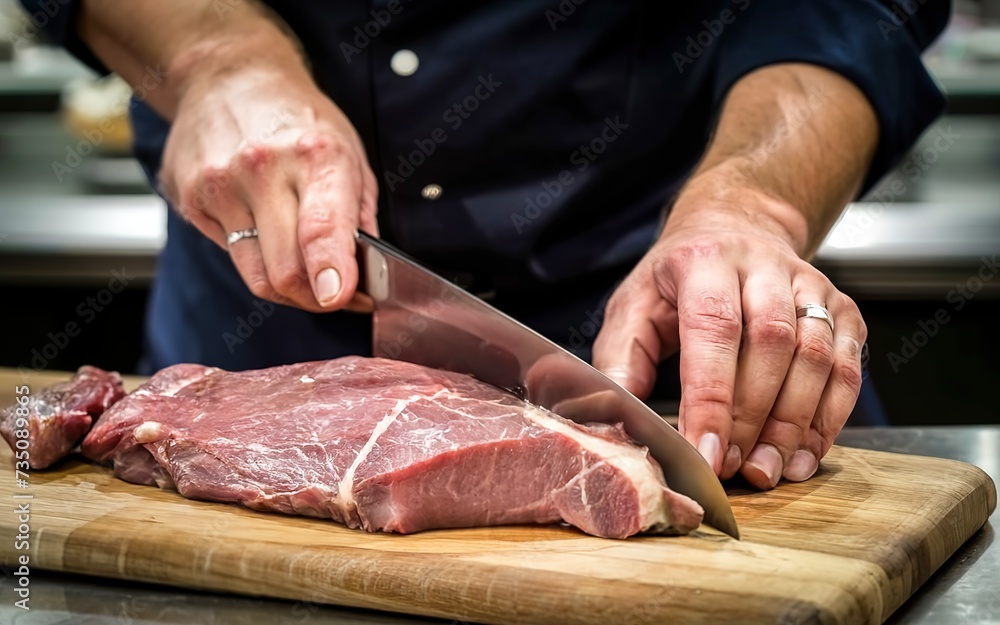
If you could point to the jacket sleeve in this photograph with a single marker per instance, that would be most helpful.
(57, 19)
(874, 44)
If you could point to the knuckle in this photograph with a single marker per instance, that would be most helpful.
(715, 314)
(288, 281)
(213, 179)
(313, 146)
(260, 287)
(772, 330)
(849, 372)
(316, 225)
(816, 350)
(678, 257)
(616, 304)
(256, 157)
(192, 203)
(708, 398)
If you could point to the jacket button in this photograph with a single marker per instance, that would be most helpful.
(431, 192)
(404, 62)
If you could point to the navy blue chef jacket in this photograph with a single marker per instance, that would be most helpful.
(557, 131)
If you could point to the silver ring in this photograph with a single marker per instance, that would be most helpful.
(237, 235)
(814, 311)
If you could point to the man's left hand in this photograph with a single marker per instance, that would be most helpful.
(763, 393)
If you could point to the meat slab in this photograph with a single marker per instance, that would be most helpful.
(385, 446)
(58, 417)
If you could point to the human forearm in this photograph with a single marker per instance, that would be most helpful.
(188, 41)
(797, 140)
(762, 392)
(254, 144)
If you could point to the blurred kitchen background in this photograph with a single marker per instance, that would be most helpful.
(919, 253)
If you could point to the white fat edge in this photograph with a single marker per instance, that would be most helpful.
(345, 489)
(628, 459)
(149, 432)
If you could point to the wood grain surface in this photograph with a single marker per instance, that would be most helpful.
(847, 546)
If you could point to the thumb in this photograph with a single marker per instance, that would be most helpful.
(639, 330)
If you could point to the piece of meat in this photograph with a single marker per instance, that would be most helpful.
(58, 417)
(383, 445)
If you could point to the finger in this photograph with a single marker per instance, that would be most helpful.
(639, 329)
(205, 224)
(216, 211)
(844, 384)
(265, 188)
(330, 195)
(783, 434)
(193, 207)
(369, 201)
(246, 255)
(768, 344)
(710, 328)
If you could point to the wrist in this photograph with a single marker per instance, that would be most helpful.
(215, 63)
(729, 196)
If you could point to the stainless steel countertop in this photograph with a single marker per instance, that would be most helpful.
(965, 591)
(901, 249)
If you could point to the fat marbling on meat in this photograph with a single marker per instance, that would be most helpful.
(385, 446)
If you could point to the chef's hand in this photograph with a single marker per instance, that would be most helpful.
(253, 142)
(252, 149)
(762, 392)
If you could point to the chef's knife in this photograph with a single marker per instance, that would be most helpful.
(422, 318)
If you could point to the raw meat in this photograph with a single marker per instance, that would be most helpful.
(383, 445)
(59, 416)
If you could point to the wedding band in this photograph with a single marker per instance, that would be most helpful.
(814, 311)
(237, 235)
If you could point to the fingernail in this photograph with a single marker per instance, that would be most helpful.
(618, 373)
(733, 460)
(802, 466)
(710, 448)
(766, 459)
(327, 285)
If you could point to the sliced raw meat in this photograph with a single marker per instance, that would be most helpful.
(371, 443)
(383, 445)
(58, 417)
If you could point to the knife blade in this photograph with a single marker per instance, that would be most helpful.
(422, 318)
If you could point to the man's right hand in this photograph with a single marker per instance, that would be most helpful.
(252, 149)
(253, 142)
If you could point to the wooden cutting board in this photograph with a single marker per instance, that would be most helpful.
(848, 546)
